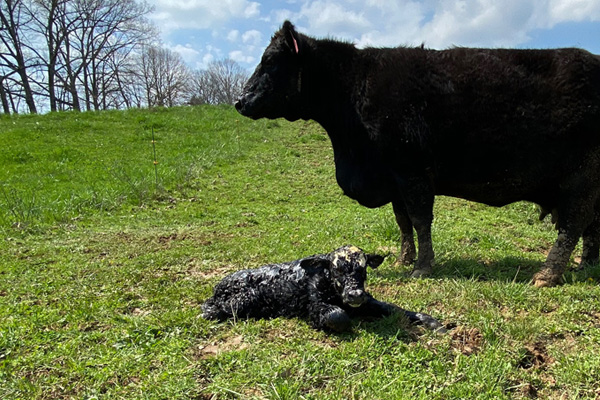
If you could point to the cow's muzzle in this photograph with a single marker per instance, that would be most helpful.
(239, 105)
(247, 105)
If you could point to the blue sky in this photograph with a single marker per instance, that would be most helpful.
(206, 30)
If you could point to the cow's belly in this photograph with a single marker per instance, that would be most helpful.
(499, 189)
(497, 195)
(366, 184)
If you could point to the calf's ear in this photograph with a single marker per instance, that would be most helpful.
(374, 260)
(291, 37)
(312, 262)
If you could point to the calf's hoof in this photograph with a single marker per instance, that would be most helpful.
(546, 278)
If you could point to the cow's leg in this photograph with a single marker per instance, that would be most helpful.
(424, 265)
(573, 220)
(408, 251)
(556, 262)
(591, 242)
(419, 200)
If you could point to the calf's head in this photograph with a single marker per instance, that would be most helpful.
(274, 90)
(348, 272)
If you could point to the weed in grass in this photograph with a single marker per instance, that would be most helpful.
(19, 207)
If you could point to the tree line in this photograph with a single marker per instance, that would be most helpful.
(96, 55)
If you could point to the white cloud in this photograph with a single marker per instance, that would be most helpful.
(207, 59)
(188, 54)
(479, 23)
(329, 17)
(233, 35)
(240, 28)
(437, 23)
(252, 37)
(201, 14)
(252, 10)
(240, 57)
(278, 16)
(573, 10)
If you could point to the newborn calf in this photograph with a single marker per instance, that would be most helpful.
(326, 289)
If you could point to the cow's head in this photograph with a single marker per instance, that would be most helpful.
(348, 272)
(274, 90)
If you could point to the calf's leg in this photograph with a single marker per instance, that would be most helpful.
(375, 309)
(372, 308)
(426, 320)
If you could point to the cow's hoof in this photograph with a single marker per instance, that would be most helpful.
(420, 273)
(546, 279)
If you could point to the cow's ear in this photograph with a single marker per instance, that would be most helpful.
(374, 260)
(291, 37)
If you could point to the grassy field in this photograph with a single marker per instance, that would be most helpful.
(106, 257)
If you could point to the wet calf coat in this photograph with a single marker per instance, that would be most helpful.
(488, 125)
(327, 289)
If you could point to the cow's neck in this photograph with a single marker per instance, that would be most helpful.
(332, 76)
(327, 80)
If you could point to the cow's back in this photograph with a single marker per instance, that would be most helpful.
(493, 125)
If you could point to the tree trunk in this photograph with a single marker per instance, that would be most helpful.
(4, 98)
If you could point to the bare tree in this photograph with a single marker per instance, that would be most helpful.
(13, 19)
(203, 91)
(86, 45)
(54, 21)
(221, 83)
(110, 28)
(164, 76)
(4, 96)
(92, 55)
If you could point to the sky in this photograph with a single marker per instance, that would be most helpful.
(207, 30)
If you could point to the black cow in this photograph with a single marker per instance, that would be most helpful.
(328, 289)
(488, 125)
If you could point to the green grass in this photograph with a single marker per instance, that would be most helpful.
(103, 268)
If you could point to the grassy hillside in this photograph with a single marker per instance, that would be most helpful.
(105, 259)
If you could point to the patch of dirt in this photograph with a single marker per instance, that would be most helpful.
(205, 351)
(594, 317)
(195, 272)
(525, 390)
(466, 340)
(167, 239)
(535, 356)
(138, 312)
(391, 250)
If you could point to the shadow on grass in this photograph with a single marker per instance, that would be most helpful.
(507, 269)
(393, 327)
